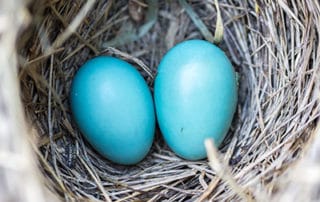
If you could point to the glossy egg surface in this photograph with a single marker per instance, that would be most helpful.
(195, 96)
(113, 108)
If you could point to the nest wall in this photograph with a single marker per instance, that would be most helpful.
(273, 45)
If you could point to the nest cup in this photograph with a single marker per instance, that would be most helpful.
(273, 45)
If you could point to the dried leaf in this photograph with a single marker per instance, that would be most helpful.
(136, 9)
(128, 31)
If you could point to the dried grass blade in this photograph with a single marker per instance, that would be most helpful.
(197, 21)
(97, 180)
(223, 171)
(218, 34)
(74, 24)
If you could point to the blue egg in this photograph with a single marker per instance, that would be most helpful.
(195, 96)
(113, 108)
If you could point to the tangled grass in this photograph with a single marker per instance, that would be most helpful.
(273, 45)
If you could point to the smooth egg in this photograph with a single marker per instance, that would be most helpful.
(113, 108)
(195, 96)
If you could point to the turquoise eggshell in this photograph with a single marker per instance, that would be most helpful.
(195, 96)
(113, 108)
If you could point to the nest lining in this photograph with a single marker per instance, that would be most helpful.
(273, 46)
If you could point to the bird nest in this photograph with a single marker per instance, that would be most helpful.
(273, 45)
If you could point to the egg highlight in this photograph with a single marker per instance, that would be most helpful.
(195, 95)
(113, 108)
